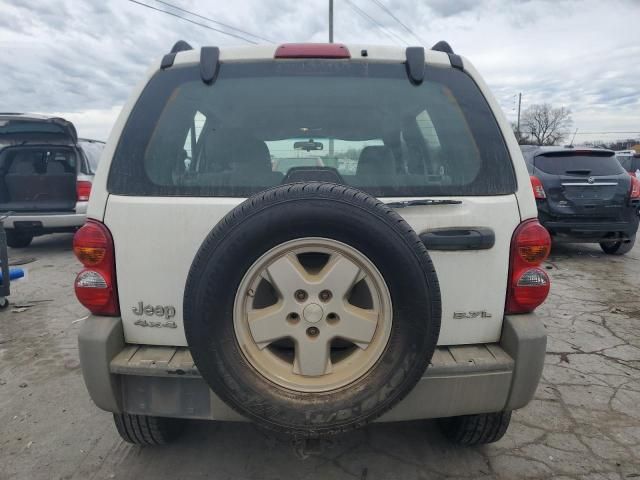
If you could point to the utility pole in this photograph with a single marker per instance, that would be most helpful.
(573, 138)
(330, 21)
(519, 103)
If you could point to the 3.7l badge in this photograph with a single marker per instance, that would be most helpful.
(472, 314)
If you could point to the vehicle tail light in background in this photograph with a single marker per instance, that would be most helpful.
(312, 50)
(83, 190)
(95, 285)
(634, 193)
(538, 189)
(528, 284)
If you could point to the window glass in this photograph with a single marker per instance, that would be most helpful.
(258, 120)
(578, 164)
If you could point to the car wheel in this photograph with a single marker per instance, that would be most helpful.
(471, 430)
(147, 431)
(618, 248)
(18, 239)
(4, 303)
(312, 309)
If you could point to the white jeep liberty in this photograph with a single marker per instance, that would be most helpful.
(389, 275)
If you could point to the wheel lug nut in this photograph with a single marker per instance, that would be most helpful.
(313, 331)
(325, 295)
(300, 295)
(293, 318)
(333, 318)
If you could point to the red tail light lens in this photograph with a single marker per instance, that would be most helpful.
(635, 188)
(538, 189)
(528, 284)
(312, 50)
(83, 190)
(95, 285)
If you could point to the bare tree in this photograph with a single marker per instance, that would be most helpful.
(544, 124)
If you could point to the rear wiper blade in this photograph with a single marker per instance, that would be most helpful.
(425, 201)
(578, 172)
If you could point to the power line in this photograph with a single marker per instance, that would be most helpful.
(230, 27)
(635, 132)
(195, 23)
(365, 15)
(384, 7)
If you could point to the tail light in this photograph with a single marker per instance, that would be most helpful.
(634, 192)
(538, 189)
(83, 190)
(95, 285)
(528, 283)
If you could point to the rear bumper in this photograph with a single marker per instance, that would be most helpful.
(461, 380)
(44, 222)
(591, 230)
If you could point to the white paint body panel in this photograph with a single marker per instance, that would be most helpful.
(156, 238)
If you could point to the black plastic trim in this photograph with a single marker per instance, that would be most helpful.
(442, 46)
(167, 60)
(415, 64)
(459, 238)
(456, 61)
(181, 46)
(209, 63)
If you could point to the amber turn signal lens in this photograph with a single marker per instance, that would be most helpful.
(90, 256)
(534, 254)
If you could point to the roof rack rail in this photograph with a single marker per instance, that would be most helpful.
(179, 46)
(455, 60)
(442, 46)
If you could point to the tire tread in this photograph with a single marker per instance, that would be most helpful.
(146, 430)
(479, 429)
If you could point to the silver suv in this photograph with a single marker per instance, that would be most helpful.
(394, 280)
(45, 176)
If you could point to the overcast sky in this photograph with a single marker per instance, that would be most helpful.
(81, 58)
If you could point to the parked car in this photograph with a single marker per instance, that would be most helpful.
(630, 161)
(312, 302)
(584, 195)
(283, 165)
(92, 150)
(45, 177)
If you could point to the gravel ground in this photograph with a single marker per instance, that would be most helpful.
(583, 424)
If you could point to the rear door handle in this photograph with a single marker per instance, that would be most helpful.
(459, 238)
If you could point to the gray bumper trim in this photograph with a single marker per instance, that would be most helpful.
(461, 380)
(100, 339)
(524, 338)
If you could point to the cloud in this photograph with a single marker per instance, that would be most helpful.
(447, 8)
(82, 59)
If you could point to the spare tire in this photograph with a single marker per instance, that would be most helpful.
(312, 309)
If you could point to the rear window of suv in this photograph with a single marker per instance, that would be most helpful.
(596, 163)
(258, 120)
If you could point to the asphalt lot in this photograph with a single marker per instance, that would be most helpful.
(583, 424)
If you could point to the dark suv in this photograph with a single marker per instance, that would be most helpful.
(584, 195)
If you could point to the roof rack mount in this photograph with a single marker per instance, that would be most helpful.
(455, 60)
(179, 46)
